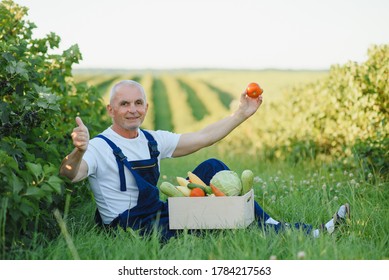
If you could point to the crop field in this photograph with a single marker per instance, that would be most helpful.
(185, 100)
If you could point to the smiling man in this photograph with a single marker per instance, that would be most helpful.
(127, 108)
(122, 163)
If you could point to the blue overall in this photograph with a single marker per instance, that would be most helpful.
(151, 213)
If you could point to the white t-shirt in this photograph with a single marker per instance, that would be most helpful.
(103, 169)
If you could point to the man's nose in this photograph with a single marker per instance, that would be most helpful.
(132, 108)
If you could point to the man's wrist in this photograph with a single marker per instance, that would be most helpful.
(239, 116)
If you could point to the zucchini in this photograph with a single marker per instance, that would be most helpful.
(247, 179)
(170, 190)
(207, 189)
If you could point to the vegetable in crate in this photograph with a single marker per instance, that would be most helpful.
(197, 192)
(207, 190)
(216, 191)
(228, 182)
(170, 190)
(247, 178)
(193, 178)
(184, 190)
(182, 181)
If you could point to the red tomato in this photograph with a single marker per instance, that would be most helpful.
(253, 90)
(197, 192)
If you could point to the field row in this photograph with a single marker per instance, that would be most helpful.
(183, 101)
(175, 103)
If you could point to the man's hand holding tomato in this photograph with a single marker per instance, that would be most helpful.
(249, 103)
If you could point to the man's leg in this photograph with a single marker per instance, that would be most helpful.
(208, 168)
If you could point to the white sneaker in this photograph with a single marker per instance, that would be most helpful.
(342, 214)
(338, 218)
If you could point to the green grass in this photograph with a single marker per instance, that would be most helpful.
(310, 192)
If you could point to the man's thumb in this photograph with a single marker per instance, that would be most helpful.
(79, 121)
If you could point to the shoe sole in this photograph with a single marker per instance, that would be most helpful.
(338, 219)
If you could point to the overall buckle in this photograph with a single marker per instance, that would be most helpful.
(119, 154)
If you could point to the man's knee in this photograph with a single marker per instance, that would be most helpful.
(216, 164)
(208, 168)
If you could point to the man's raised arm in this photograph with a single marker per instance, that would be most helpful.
(194, 141)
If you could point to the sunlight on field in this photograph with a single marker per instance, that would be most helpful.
(204, 84)
(293, 118)
(274, 83)
(147, 81)
(182, 115)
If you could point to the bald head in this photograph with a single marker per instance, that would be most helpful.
(126, 83)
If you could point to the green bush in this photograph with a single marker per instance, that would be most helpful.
(373, 156)
(341, 117)
(38, 103)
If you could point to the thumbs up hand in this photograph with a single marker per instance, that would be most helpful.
(80, 135)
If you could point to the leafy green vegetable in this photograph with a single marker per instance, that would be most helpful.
(228, 182)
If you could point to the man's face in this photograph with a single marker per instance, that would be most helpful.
(127, 108)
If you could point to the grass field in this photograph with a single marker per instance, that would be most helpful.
(309, 191)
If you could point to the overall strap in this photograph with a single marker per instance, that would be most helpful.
(120, 159)
(153, 146)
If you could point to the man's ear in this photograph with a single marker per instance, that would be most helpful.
(109, 110)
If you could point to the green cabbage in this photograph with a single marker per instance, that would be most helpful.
(228, 182)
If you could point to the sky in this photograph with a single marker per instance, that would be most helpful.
(233, 34)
